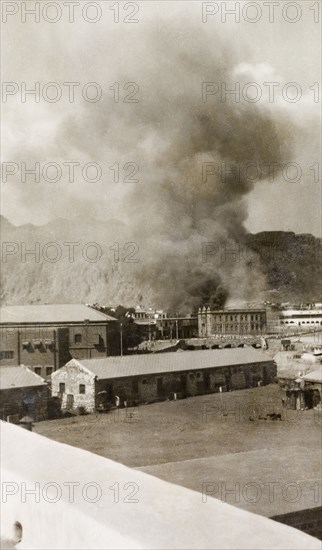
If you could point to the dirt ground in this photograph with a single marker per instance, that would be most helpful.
(221, 439)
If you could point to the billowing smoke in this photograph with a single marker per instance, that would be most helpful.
(187, 210)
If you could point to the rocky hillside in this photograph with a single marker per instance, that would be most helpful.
(292, 264)
(72, 261)
(92, 261)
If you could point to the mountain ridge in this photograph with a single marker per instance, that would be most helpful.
(290, 262)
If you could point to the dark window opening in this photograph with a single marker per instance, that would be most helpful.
(6, 354)
(38, 370)
(82, 388)
(27, 346)
(159, 386)
(62, 387)
(37, 344)
(206, 379)
(78, 339)
(49, 370)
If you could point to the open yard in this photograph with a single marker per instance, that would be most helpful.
(217, 444)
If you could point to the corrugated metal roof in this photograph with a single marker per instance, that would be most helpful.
(137, 365)
(19, 377)
(314, 376)
(57, 313)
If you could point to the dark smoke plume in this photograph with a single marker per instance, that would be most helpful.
(171, 212)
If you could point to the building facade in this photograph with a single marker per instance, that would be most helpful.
(94, 384)
(237, 322)
(177, 327)
(304, 318)
(149, 313)
(45, 337)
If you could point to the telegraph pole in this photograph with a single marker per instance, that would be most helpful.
(121, 338)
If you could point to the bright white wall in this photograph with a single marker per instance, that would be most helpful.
(166, 516)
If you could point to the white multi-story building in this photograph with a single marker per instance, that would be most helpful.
(301, 317)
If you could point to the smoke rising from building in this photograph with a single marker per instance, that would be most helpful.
(170, 133)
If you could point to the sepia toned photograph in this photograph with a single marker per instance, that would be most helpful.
(161, 275)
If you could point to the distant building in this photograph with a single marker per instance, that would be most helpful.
(159, 326)
(94, 383)
(309, 318)
(231, 322)
(22, 393)
(45, 337)
(149, 313)
(178, 327)
(148, 321)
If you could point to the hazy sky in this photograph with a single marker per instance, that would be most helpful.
(167, 55)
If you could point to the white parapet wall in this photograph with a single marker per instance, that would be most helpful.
(69, 499)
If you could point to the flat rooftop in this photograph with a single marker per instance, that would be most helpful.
(51, 313)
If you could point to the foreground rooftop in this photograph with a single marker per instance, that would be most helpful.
(116, 507)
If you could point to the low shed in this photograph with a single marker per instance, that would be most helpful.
(22, 392)
(313, 385)
(302, 391)
(95, 383)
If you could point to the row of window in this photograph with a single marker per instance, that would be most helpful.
(301, 322)
(252, 326)
(81, 388)
(255, 317)
(38, 370)
(37, 344)
(95, 339)
(6, 355)
(48, 343)
(235, 318)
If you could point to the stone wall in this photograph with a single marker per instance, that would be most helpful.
(73, 377)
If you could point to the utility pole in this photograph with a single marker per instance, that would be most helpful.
(121, 338)
(149, 332)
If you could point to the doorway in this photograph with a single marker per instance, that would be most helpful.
(183, 382)
(206, 381)
(159, 387)
(70, 402)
